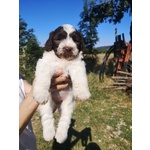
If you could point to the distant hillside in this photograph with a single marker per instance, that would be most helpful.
(100, 49)
(103, 48)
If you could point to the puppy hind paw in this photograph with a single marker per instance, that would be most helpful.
(48, 134)
(61, 136)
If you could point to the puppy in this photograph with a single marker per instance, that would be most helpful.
(63, 50)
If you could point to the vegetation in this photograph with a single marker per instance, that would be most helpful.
(29, 51)
(102, 49)
(87, 26)
(102, 123)
(96, 12)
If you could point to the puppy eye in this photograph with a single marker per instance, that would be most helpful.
(60, 36)
(75, 37)
(76, 40)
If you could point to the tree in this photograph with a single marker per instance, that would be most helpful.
(111, 10)
(94, 13)
(24, 34)
(87, 26)
(29, 50)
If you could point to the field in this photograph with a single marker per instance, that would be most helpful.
(102, 123)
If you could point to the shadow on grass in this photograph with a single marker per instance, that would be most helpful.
(92, 146)
(84, 136)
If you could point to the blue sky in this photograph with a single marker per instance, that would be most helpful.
(46, 15)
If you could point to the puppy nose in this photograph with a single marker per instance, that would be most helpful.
(67, 48)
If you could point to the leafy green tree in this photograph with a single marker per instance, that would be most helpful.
(24, 34)
(99, 11)
(111, 10)
(29, 51)
(87, 26)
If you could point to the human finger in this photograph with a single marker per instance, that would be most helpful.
(58, 73)
(58, 87)
(58, 80)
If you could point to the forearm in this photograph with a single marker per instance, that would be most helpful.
(26, 111)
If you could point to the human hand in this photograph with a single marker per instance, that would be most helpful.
(59, 82)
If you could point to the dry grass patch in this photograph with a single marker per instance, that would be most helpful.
(102, 123)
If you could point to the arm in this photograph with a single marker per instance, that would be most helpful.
(26, 111)
(29, 105)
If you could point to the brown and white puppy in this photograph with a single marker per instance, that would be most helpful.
(63, 50)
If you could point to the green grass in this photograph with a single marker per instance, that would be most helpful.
(102, 123)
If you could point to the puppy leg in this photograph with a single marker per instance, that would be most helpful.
(79, 81)
(66, 111)
(43, 75)
(46, 112)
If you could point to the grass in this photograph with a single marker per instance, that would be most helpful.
(102, 123)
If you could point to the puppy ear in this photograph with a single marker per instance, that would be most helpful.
(82, 44)
(49, 43)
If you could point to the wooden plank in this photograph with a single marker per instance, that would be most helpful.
(114, 87)
(119, 84)
(125, 73)
(121, 78)
(118, 80)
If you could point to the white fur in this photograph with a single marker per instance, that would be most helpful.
(45, 69)
(68, 28)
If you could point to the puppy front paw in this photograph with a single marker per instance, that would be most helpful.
(82, 95)
(41, 96)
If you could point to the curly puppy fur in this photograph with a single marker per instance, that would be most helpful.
(64, 50)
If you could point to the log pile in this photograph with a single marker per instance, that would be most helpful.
(122, 81)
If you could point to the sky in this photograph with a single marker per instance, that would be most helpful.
(46, 15)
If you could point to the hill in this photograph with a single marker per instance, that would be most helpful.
(103, 48)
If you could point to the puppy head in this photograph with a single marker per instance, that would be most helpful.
(66, 42)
